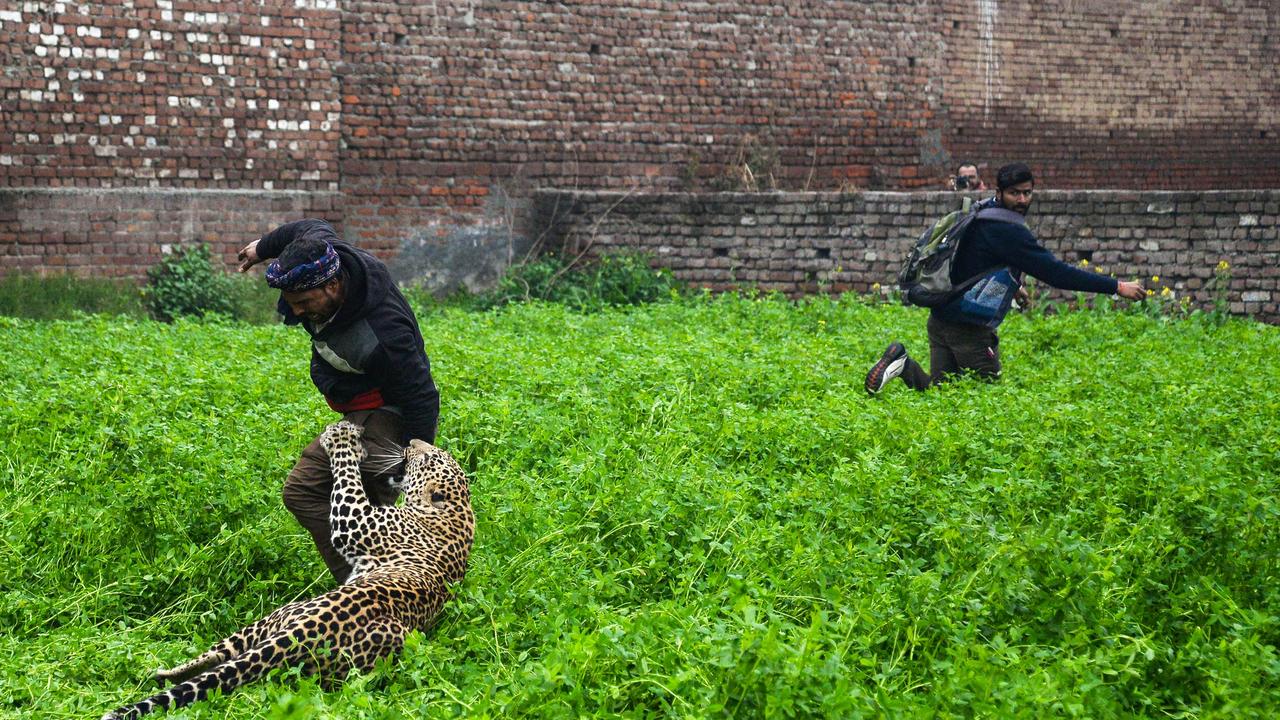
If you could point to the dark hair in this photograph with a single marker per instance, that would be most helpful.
(1013, 174)
(301, 251)
(965, 165)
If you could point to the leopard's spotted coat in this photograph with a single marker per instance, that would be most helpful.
(403, 559)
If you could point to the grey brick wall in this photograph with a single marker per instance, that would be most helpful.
(798, 243)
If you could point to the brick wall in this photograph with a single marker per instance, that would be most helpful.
(1164, 94)
(454, 111)
(170, 94)
(129, 127)
(435, 120)
(122, 232)
(456, 96)
(798, 243)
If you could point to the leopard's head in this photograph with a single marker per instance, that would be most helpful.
(432, 478)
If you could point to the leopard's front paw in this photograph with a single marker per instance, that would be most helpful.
(340, 434)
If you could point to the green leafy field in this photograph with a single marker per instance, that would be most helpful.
(686, 509)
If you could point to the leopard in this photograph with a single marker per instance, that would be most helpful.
(405, 560)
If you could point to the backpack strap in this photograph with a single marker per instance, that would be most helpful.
(997, 214)
(1000, 214)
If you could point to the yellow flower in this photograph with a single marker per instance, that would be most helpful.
(875, 286)
(1155, 278)
(1222, 265)
(1084, 262)
(1165, 292)
(1150, 292)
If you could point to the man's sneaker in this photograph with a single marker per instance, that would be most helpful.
(887, 368)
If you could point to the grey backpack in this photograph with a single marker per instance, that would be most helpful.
(925, 277)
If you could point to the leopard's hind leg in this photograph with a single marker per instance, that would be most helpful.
(280, 650)
(378, 638)
(364, 645)
(231, 646)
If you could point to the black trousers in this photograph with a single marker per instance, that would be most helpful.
(955, 348)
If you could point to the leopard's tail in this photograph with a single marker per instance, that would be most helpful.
(278, 651)
(217, 655)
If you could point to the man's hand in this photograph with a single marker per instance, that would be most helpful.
(248, 256)
(1022, 298)
(1130, 290)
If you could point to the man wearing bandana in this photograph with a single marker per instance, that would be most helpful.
(367, 360)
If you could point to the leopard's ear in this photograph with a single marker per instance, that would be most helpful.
(419, 445)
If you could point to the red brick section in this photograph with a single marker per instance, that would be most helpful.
(798, 243)
(447, 104)
(122, 232)
(1095, 94)
(870, 95)
(432, 118)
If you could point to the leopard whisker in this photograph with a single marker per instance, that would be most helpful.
(382, 462)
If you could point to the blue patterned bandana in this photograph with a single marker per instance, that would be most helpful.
(305, 276)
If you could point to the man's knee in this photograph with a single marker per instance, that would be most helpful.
(987, 365)
(986, 375)
(985, 371)
(293, 497)
(304, 498)
(981, 359)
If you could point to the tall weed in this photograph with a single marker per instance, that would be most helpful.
(186, 282)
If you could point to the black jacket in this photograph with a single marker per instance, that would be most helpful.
(371, 353)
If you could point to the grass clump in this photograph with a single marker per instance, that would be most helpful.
(51, 297)
(613, 280)
(685, 509)
(185, 284)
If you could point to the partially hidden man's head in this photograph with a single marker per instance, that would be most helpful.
(309, 275)
(1014, 187)
(969, 172)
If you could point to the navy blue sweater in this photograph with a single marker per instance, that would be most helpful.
(992, 244)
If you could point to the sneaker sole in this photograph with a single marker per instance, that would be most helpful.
(880, 376)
